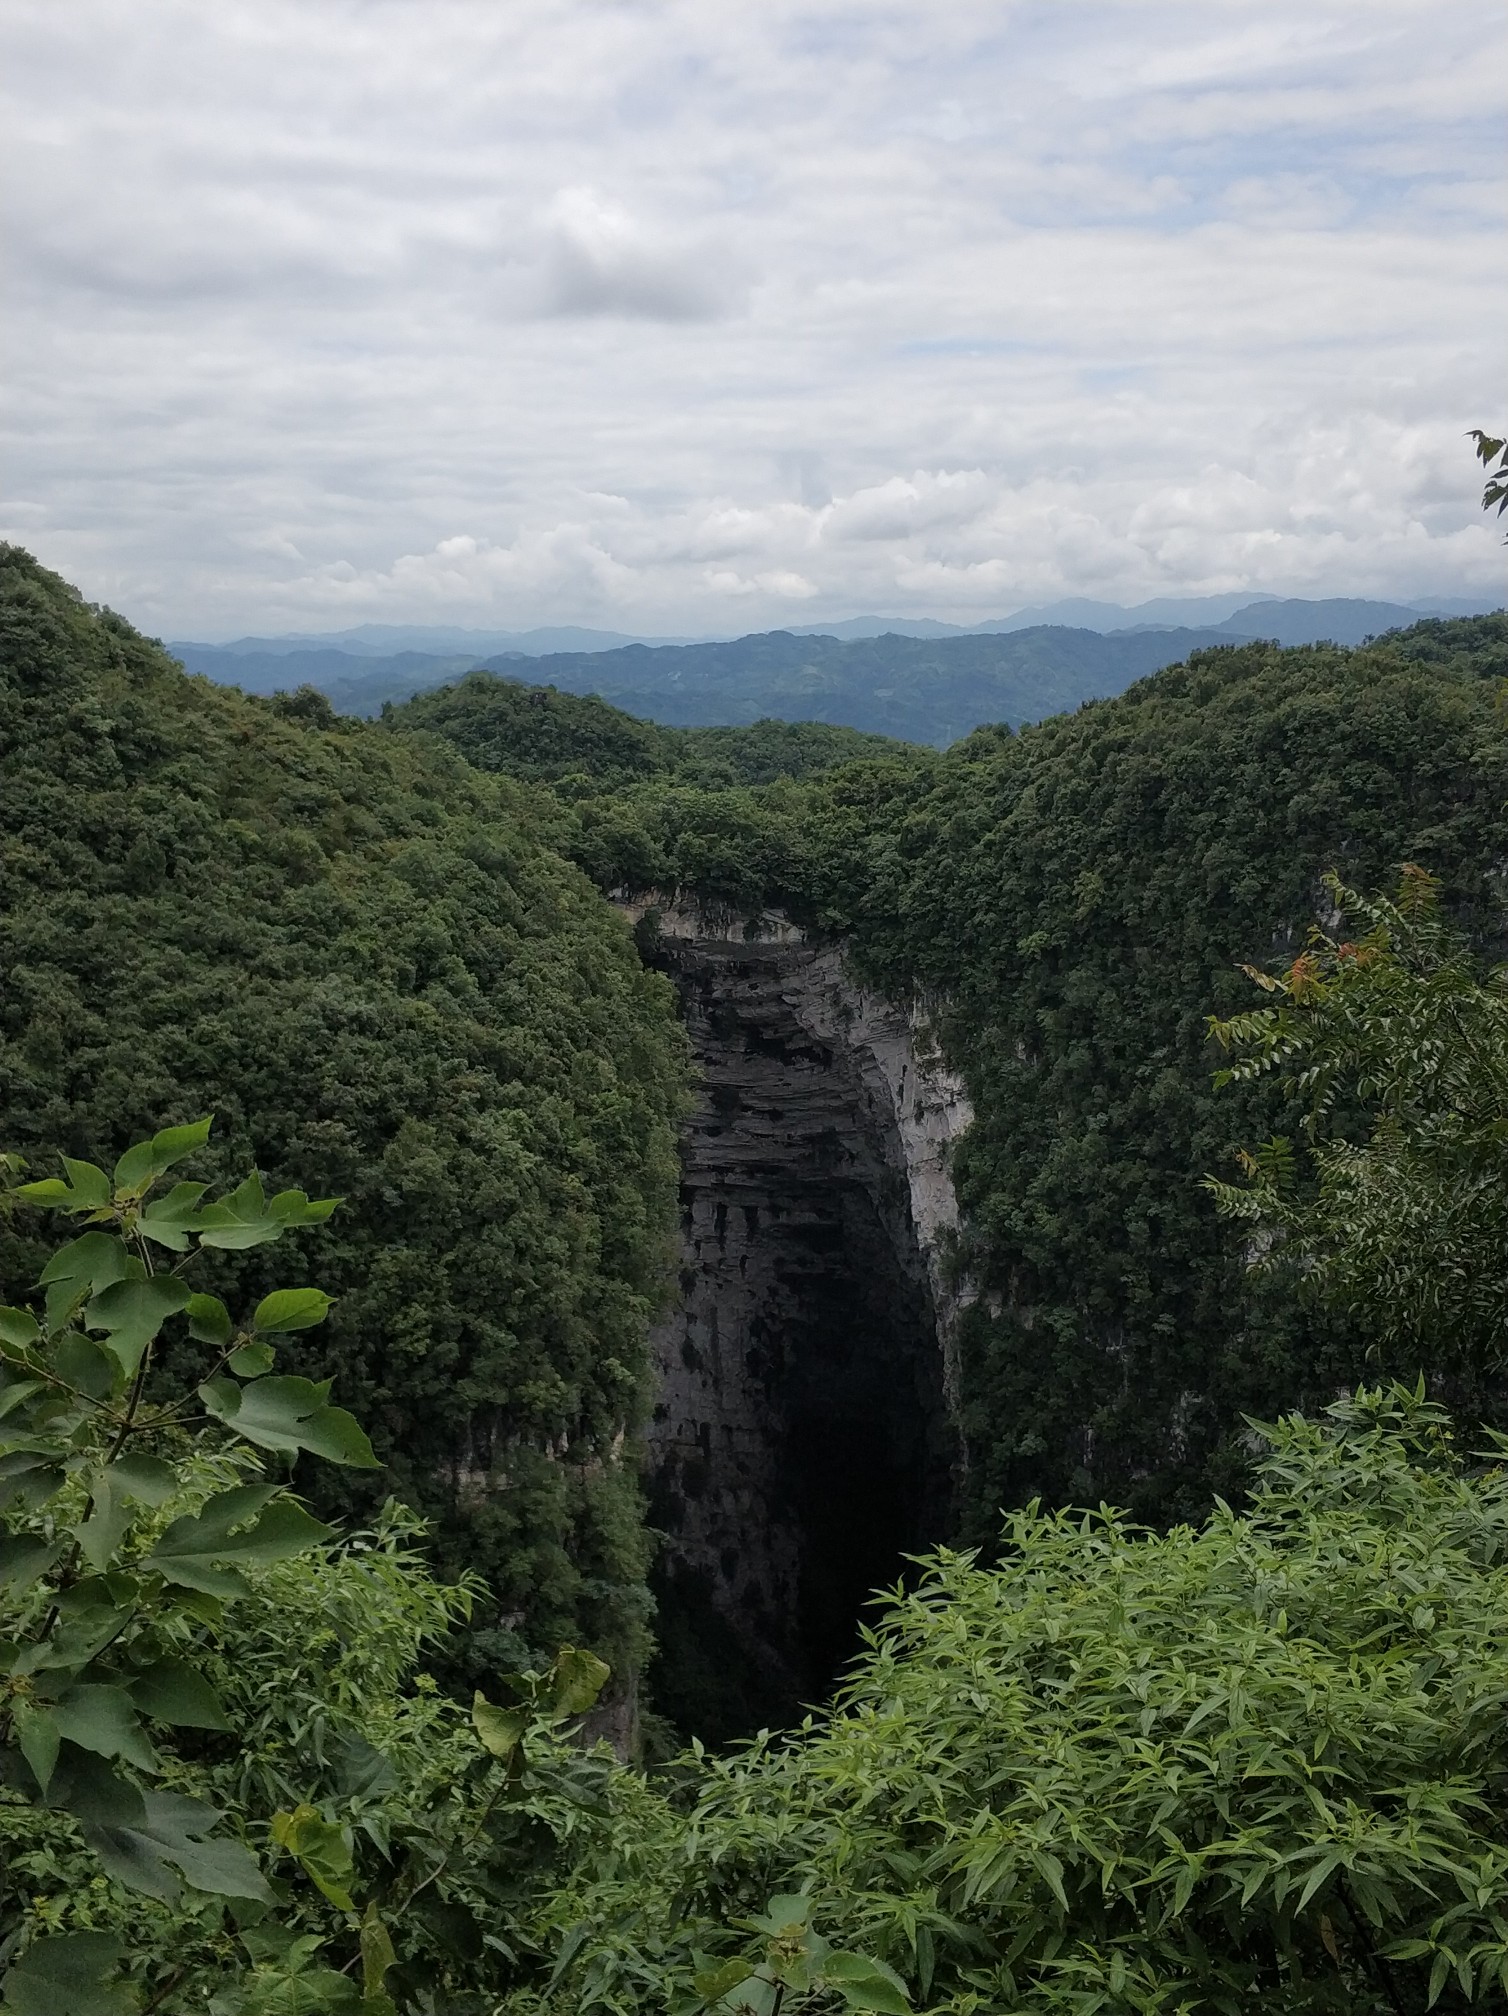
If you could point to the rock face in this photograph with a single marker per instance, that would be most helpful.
(803, 1438)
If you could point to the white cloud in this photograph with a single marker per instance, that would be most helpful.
(600, 260)
(680, 317)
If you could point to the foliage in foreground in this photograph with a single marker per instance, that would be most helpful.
(1260, 1765)
(223, 1782)
(1395, 1044)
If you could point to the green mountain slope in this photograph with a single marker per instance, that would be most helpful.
(367, 960)
(918, 689)
(547, 736)
(1080, 897)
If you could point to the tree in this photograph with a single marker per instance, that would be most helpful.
(1490, 449)
(223, 1783)
(1257, 1765)
(1394, 1205)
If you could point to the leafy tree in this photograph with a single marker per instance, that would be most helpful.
(1492, 449)
(222, 1781)
(1394, 1042)
(1257, 1765)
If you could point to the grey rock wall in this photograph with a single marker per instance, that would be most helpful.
(803, 1435)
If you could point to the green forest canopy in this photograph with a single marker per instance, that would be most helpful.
(365, 958)
(1080, 897)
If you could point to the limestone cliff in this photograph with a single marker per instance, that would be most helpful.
(804, 1436)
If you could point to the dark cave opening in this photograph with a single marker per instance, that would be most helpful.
(800, 1447)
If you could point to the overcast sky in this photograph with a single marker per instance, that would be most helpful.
(705, 317)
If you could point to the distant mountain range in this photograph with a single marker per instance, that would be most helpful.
(924, 681)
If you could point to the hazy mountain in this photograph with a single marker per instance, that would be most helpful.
(386, 640)
(925, 680)
(920, 689)
(1345, 620)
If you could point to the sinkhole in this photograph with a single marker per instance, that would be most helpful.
(800, 1445)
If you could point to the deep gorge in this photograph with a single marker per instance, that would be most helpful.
(803, 1439)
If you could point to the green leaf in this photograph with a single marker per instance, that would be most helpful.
(713, 1983)
(141, 1836)
(110, 1515)
(172, 1691)
(250, 1361)
(87, 1366)
(91, 1186)
(289, 1414)
(103, 1719)
(576, 1679)
(26, 1557)
(139, 1166)
(321, 1850)
(132, 1312)
(866, 1984)
(145, 1478)
(501, 1729)
(290, 1309)
(87, 1189)
(82, 1267)
(39, 1738)
(377, 1955)
(273, 1527)
(68, 1976)
(19, 1330)
(209, 1320)
(169, 1220)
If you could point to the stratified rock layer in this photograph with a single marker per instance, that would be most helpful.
(802, 1439)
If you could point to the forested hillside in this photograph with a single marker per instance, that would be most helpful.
(1080, 898)
(365, 959)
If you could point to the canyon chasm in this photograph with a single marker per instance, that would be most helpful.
(804, 1435)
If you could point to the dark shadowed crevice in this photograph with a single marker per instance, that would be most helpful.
(800, 1446)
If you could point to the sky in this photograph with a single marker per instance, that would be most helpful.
(673, 316)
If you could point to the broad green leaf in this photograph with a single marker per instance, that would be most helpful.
(576, 1679)
(91, 1186)
(172, 1691)
(321, 1850)
(68, 1976)
(146, 1478)
(16, 1395)
(104, 1720)
(90, 1620)
(87, 1189)
(39, 1738)
(88, 1367)
(142, 1836)
(26, 1557)
(250, 1361)
(138, 1167)
(290, 1309)
(713, 1983)
(19, 1329)
(167, 1221)
(110, 1515)
(209, 1320)
(132, 1312)
(501, 1729)
(866, 1984)
(82, 1267)
(377, 1955)
(286, 1413)
(252, 1523)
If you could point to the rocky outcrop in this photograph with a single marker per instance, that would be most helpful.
(803, 1437)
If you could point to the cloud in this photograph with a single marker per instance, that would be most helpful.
(602, 261)
(679, 317)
